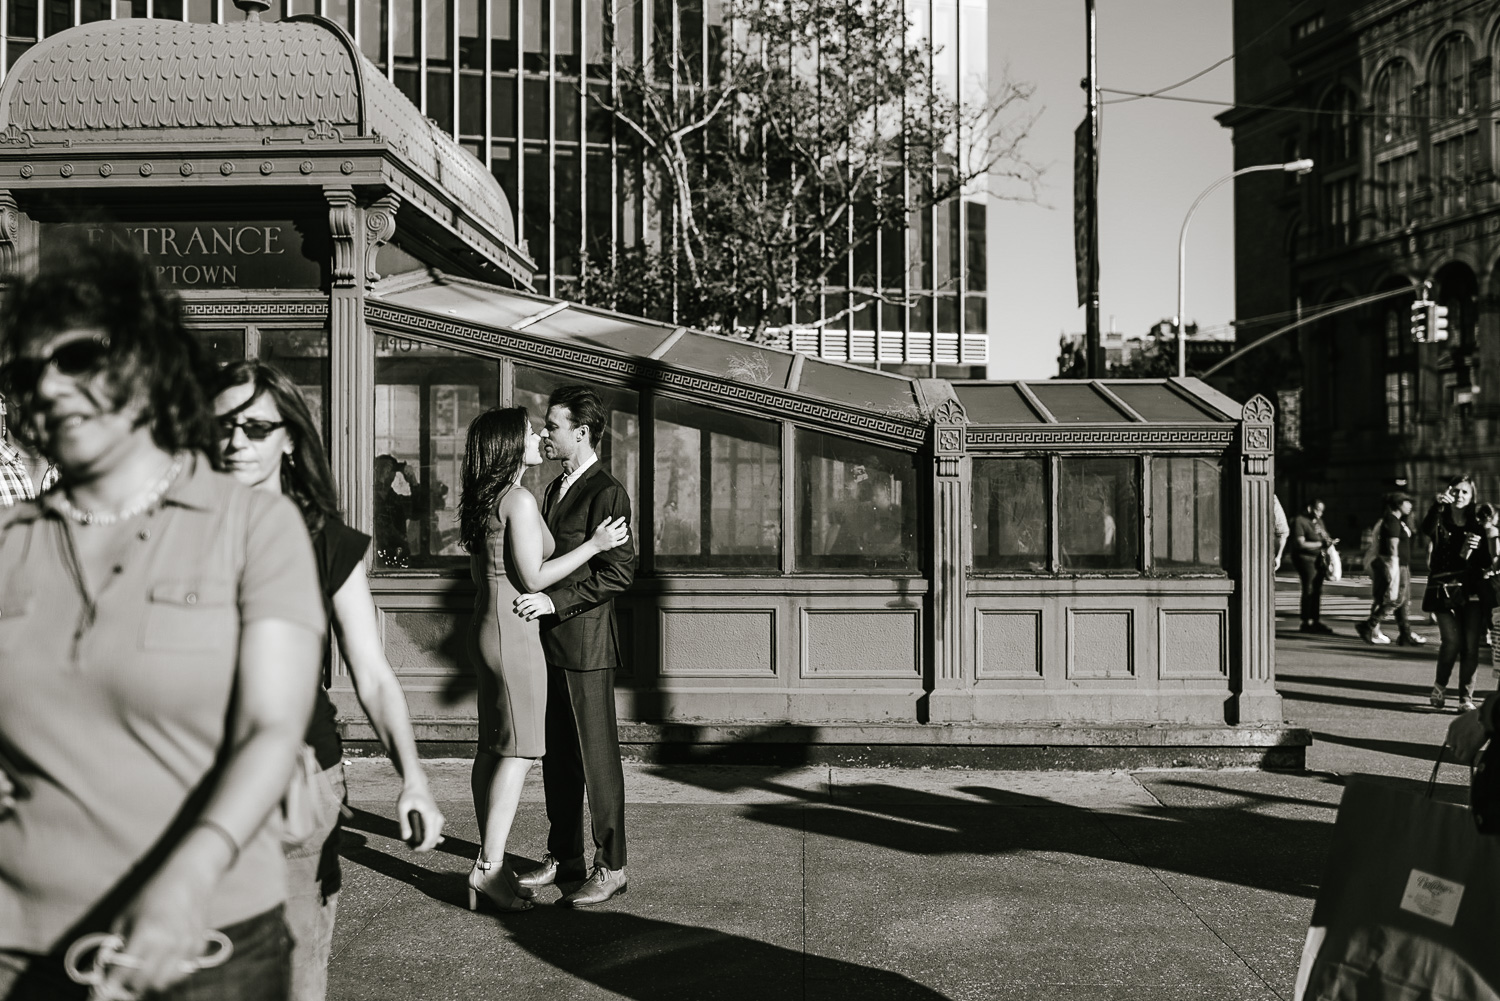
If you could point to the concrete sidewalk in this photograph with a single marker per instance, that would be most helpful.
(761, 884)
(753, 883)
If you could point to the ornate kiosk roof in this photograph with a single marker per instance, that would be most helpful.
(284, 102)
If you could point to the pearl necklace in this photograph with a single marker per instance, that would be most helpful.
(144, 503)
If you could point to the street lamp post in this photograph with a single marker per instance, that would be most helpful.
(1293, 167)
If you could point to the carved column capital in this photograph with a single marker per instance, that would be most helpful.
(380, 226)
(343, 229)
(948, 438)
(1257, 436)
(10, 231)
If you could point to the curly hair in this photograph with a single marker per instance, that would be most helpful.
(305, 475)
(493, 454)
(151, 356)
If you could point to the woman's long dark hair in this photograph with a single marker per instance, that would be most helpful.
(305, 476)
(110, 287)
(493, 454)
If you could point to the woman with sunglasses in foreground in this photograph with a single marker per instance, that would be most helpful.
(270, 442)
(159, 642)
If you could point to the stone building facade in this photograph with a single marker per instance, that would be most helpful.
(1396, 102)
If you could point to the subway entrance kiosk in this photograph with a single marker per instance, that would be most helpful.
(837, 564)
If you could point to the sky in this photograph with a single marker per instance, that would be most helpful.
(1155, 158)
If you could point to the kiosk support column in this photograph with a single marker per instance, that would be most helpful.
(1256, 700)
(351, 406)
(948, 699)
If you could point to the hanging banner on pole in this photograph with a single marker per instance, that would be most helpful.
(1083, 209)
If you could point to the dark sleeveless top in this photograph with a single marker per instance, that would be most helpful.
(338, 549)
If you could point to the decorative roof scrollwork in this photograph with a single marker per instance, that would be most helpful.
(380, 226)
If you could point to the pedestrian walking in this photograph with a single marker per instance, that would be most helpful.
(1310, 547)
(1390, 574)
(509, 545)
(582, 648)
(1280, 529)
(270, 443)
(1456, 592)
(22, 475)
(159, 639)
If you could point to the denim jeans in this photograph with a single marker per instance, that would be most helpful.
(312, 890)
(1461, 631)
(1384, 604)
(1311, 570)
(258, 970)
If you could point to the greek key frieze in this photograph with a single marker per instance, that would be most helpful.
(1128, 436)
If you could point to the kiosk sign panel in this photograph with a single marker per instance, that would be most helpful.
(209, 255)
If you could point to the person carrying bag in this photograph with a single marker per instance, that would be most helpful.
(1408, 907)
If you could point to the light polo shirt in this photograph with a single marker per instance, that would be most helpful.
(116, 704)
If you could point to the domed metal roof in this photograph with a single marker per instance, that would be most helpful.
(299, 81)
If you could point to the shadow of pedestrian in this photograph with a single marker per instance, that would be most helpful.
(648, 959)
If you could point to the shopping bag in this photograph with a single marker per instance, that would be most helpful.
(1335, 564)
(1409, 907)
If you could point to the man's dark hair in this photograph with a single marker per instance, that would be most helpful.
(584, 407)
(151, 355)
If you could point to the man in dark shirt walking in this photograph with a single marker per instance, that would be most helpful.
(1390, 574)
(1310, 543)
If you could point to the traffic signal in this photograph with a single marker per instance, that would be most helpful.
(1437, 326)
(1420, 320)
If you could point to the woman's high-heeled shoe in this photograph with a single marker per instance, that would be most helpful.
(497, 885)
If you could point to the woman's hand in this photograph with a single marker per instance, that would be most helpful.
(610, 533)
(164, 926)
(7, 795)
(415, 796)
(1466, 736)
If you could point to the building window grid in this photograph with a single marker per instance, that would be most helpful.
(413, 74)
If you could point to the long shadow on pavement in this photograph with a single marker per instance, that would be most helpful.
(1363, 684)
(651, 960)
(1403, 748)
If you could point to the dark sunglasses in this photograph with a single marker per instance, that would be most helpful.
(73, 359)
(254, 430)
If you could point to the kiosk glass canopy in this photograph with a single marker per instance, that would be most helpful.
(1097, 478)
(733, 485)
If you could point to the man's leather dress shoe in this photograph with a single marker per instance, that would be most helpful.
(553, 870)
(602, 885)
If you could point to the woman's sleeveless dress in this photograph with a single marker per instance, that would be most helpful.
(507, 653)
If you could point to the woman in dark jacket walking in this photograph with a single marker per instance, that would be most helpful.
(1455, 587)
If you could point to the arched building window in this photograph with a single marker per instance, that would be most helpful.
(1395, 180)
(1451, 82)
(1338, 132)
(1393, 105)
(1455, 141)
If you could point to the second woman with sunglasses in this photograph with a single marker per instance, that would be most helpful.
(270, 442)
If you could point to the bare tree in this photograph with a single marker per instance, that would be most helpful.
(803, 130)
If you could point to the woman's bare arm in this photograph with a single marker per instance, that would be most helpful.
(383, 701)
(524, 531)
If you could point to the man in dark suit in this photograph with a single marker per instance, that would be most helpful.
(582, 648)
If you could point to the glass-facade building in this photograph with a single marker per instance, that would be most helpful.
(509, 78)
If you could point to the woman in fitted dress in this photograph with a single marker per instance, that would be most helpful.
(509, 545)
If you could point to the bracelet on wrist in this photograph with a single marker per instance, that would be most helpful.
(222, 832)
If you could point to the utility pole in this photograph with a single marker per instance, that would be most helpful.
(1093, 350)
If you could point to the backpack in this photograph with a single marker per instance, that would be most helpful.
(1372, 545)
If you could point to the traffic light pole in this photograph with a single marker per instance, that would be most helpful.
(1093, 350)
(1342, 307)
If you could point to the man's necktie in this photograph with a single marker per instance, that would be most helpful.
(552, 491)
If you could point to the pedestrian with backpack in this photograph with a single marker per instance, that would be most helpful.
(1388, 558)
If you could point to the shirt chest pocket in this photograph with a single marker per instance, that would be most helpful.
(17, 603)
(189, 616)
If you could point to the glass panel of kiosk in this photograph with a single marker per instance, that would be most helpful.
(425, 397)
(1011, 517)
(717, 479)
(857, 505)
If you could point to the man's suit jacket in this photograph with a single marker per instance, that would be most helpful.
(582, 635)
